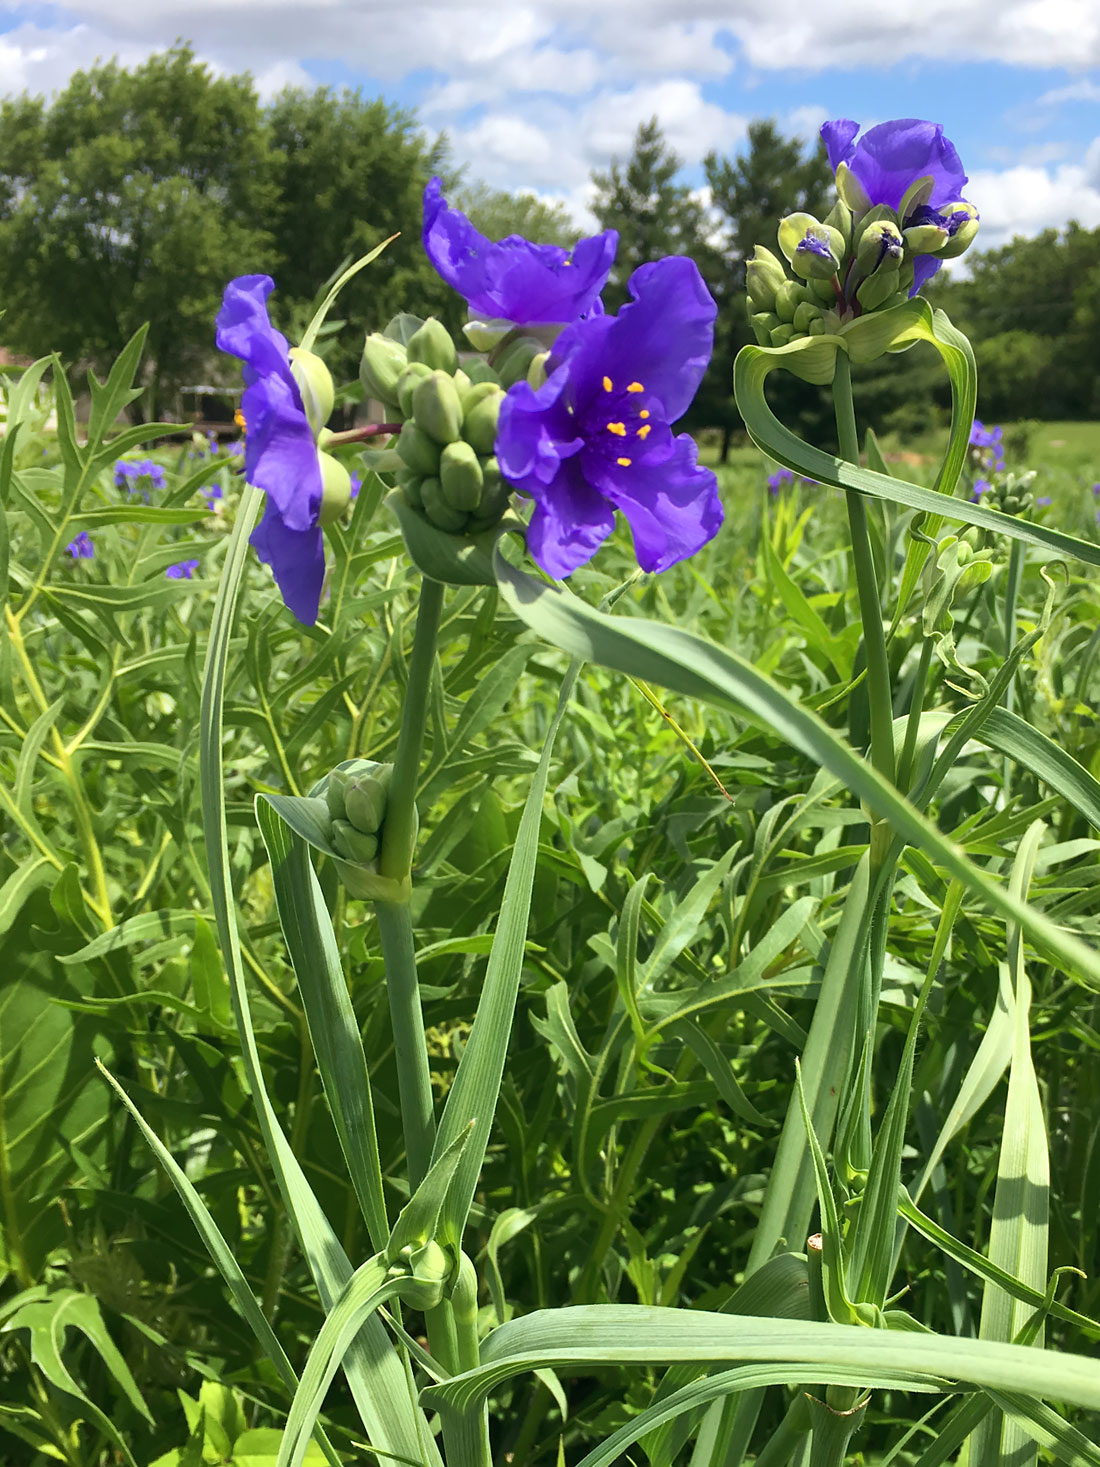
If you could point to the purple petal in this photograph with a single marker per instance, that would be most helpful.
(512, 279)
(838, 138)
(536, 432)
(893, 155)
(571, 521)
(297, 559)
(671, 504)
(924, 267)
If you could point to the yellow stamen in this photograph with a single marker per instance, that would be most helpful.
(619, 429)
(238, 418)
(644, 432)
(644, 413)
(607, 384)
(635, 387)
(624, 462)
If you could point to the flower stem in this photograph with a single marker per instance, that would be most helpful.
(870, 605)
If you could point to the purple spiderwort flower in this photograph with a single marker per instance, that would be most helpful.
(1096, 491)
(280, 456)
(596, 436)
(778, 479)
(81, 548)
(182, 571)
(212, 493)
(981, 486)
(1043, 500)
(512, 279)
(356, 485)
(888, 158)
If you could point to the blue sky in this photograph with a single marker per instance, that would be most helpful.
(536, 94)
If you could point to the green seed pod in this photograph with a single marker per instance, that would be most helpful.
(417, 450)
(352, 844)
(437, 511)
(764, 274)
(335, 488)
(436, 408)
(480, 427)
(433, 346)
(365, 799)
(407, 384)
(461, 476)
(315, 384)
(382, 363)
(512, 364)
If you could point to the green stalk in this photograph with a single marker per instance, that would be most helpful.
(1016, 557)
(916, 708)
(414, 1083)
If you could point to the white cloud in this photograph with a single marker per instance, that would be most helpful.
(1026, 200)
(1078, 91)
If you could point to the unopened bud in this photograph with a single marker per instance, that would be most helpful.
(409, 380)
(790, 295)
(461, 476)
(805, 315)
(352, 844)
(782, 334)
(851, 191)
(512, 363)
(433, 346)
(814, 250)
(496, 494)
(764, 274)
(437, 409)
(315, 385)
(877, 289)
(479, 370)
(335, 489)
(382, 363)
(482, 417)
(962, 228)
(436, 509)
(880, 247)
(365, 799)
(536, 372)
(417, 450)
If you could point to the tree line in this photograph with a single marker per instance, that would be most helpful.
(134, 195)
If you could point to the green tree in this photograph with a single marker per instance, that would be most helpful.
(133, 196)
(498, 213)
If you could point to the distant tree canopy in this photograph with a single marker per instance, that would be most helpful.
(134, 196)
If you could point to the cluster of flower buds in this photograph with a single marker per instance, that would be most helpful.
(449, 413)
(356, 797)
(1010, 493)
(860, 258)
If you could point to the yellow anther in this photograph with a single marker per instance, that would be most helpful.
(624, 462)
(619, 429)
(607, 384)
(635, 387)
(644, 413)
(645, 432)
(238, 418)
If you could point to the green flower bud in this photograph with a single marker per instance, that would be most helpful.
(512, 363)
(782, 334)
(823, 290)
(437, 511)
(409, 380)
(461, 476)
(352, 844)
(475, 392)
(805, 315)
(877, 289)
(851, 191)
(926, 239)
(418, 450)
(335, 488)
(840, 218)
(816, 328)
(382, 364)
(965, 232)
(315, 384)
(365, 799)
(334, 793)
(813, 249)
(789, 297)
(496, 495)
(409, 482)
(480, 371)
(483, 335)
(433, 346)
(428, 1271)
(437, 409)
(461, 381)
(764, 274)
(480, 427)
(880, 247)
(536, 372)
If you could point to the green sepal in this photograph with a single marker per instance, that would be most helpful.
(314, 381)
(418, 1220)
(916, 195)
(851, 191)
(456, 560)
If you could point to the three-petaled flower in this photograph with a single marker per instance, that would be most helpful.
(596, 436)
(182, 571)
(883, 166)
(513, 279)
(280, 455)
(81, 548)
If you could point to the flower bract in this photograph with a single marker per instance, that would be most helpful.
(597, 436)
(512, 279)
(280, 455)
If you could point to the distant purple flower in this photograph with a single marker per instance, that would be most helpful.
(888, 158)
(81, 548)
(512, 279)
(280, 456)
(1044, 499)
(981, 486)
(139, 477)
(212, 493)
(1096, 491)
(596, 436)
(778, 479)
(183, 571)
(356, 485)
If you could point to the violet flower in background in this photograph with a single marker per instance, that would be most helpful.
(212, 493)
(81, 548)
(182, 571)
(778, 479)
(981, 486)
(280, 456)
(1043, 500)
(512, 279)
(356, 485)
(596, 436)
(891, 157)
